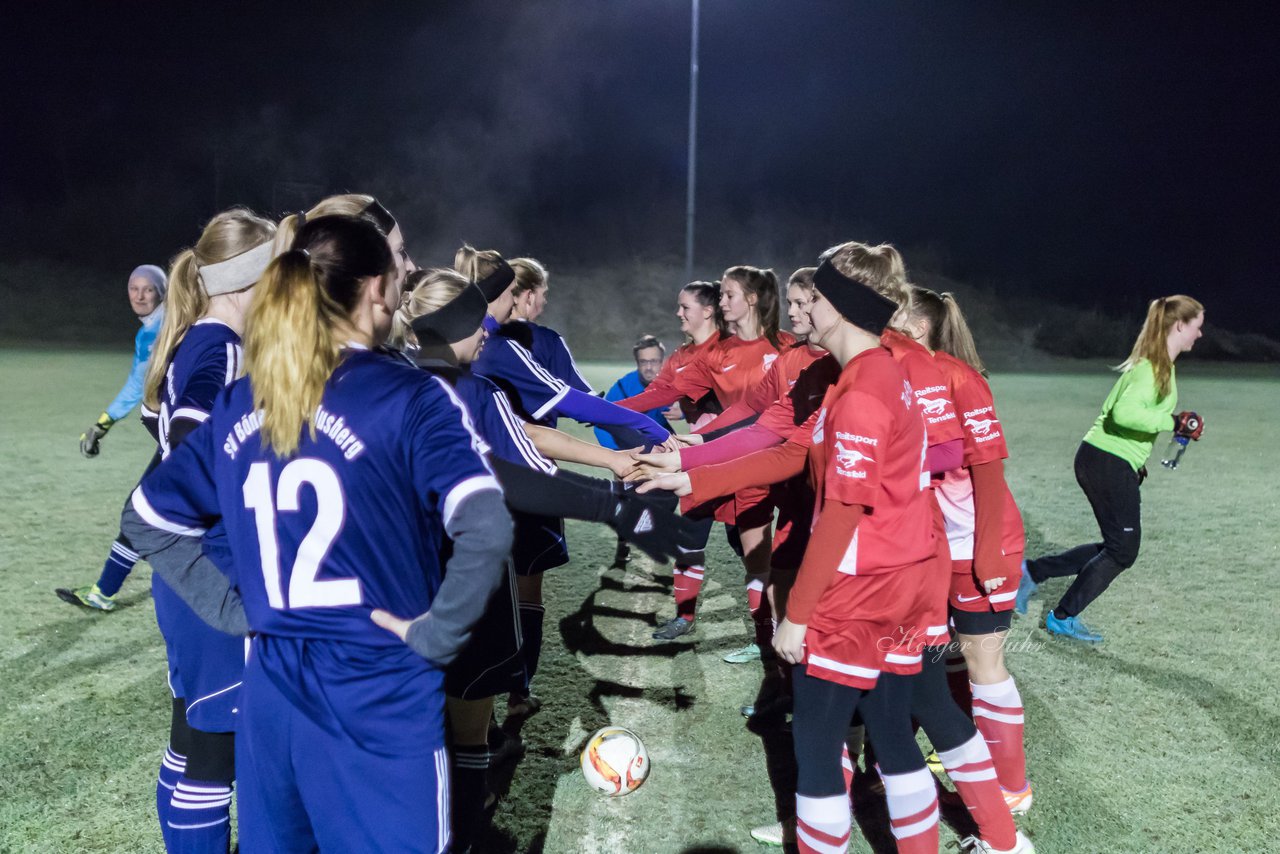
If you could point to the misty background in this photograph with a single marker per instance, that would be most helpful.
(1057, 164)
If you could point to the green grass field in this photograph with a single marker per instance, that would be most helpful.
(1162, 740)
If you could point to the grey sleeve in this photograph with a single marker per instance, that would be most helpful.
(181, 562)
(481, 531)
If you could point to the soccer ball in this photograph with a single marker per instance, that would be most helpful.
(614, 762)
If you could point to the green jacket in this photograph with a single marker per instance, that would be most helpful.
(1133, 415)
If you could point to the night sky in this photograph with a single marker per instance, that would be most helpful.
(1093, 153)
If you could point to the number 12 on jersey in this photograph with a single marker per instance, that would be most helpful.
(305, 590)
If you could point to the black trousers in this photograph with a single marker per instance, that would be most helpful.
(1111, 485)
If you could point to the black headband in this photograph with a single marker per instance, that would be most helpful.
(376, 212)
(859, 304)
(457, 320)
(496, 282)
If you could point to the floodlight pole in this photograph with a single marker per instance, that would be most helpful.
(693, 147)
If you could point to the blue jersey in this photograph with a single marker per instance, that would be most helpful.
(353, 521)
(500, 429)
(628, 385)
(208, 359)
(205, 666)
(533, 390)
(131, 391)
(551, 351)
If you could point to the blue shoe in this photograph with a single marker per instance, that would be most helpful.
(1026, 589)
(1071, 627)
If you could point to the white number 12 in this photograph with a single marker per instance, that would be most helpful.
(305, 591)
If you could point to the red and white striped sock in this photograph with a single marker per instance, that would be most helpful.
(761, 613)
(997, 711)
(958, 681)
(913, 811)
(971, 769)
(823, 824)
(688, 583)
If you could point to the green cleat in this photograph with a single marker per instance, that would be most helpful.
(746, 655)
(88, 597)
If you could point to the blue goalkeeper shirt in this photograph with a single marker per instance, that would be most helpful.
(131, 393)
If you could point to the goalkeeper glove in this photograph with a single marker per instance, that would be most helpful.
(1188, 425)
(90, 438)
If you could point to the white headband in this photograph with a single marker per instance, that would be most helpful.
(238, 273)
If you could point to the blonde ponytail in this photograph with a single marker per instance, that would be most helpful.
(291, 345)
(953, 335)
(227, 235)
(290, 349)
(185, 302)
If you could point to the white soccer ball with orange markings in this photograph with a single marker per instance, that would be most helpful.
(614, 762)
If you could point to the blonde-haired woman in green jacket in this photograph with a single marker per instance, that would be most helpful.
(1110, 464)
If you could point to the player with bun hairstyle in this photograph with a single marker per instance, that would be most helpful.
(730, 369)
(147, 286)
(338, 471)
(529, 296)
(862, 574)
(441, 323)
(196, 355)
(536, 394)
(1110, 463)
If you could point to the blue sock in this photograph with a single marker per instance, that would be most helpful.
(200, 818)
(171, 768)
(119, 564)
(531, 614)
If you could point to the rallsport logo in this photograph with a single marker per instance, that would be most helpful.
(848, 458)
(980, 427)
(932, 407)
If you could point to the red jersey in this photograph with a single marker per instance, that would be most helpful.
(983, 443)
(868, 449)
(929, 385)
(680, 359)
(729, 369)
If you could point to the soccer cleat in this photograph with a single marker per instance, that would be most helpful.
(772, 708)
(974, 845)
(523, 706)
(674, 628)
(1071, 627)
(88, 597)
(934, 763)
(776, 834)
(746, 655)
(1026, 589)
(1019, 802)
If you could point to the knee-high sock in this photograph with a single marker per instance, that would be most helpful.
(823, 824)
(120, 561)
(761, 614)
(688, 584)
(470, 788)
(172, 765)
(958, 681)
(997, 711)
(200, 817)
(913, 811)
(971, 769)
(531, 615)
